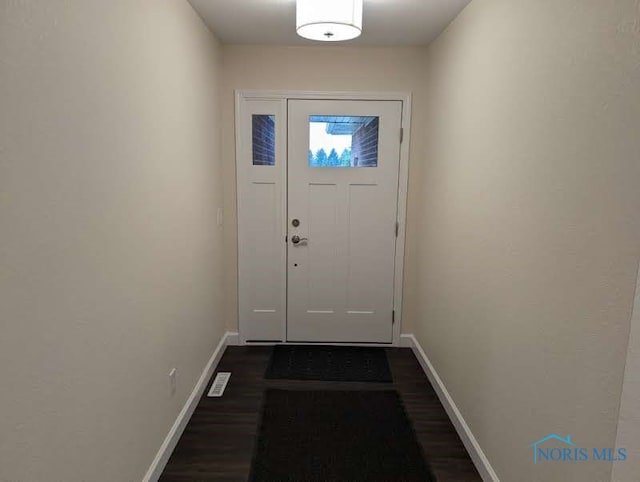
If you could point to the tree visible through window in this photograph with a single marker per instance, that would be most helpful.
(343, 141)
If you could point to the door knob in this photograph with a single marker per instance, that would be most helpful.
(297, 239)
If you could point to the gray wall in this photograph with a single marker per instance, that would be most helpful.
(110, 257)
(528, 223)
(628, 436)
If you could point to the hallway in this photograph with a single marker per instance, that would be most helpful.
(494, 228)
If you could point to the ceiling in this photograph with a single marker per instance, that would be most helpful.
(385, 22)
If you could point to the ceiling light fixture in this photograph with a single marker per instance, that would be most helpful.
(329, 20)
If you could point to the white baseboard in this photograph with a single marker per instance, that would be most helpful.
(464, 432)
(408, 341)
(170, 442)
(233, 338)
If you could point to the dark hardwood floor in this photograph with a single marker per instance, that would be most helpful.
(218, 441)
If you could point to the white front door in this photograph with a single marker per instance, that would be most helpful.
(343, 162)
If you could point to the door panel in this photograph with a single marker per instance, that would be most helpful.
(322, 253)
(341, 274)
(261, 173)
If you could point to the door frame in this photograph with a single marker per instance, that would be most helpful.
(243, 95)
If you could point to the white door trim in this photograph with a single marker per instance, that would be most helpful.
(403, 175)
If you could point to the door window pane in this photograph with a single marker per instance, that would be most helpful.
(343, 141)
(264, 140)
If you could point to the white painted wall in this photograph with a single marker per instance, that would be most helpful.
(628, 436)
(110, 257)
(325, 68)
(528, 223)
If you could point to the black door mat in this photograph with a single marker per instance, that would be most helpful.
(327, 435)
(330, 363)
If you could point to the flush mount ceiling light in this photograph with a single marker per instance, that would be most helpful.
(329, 20)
